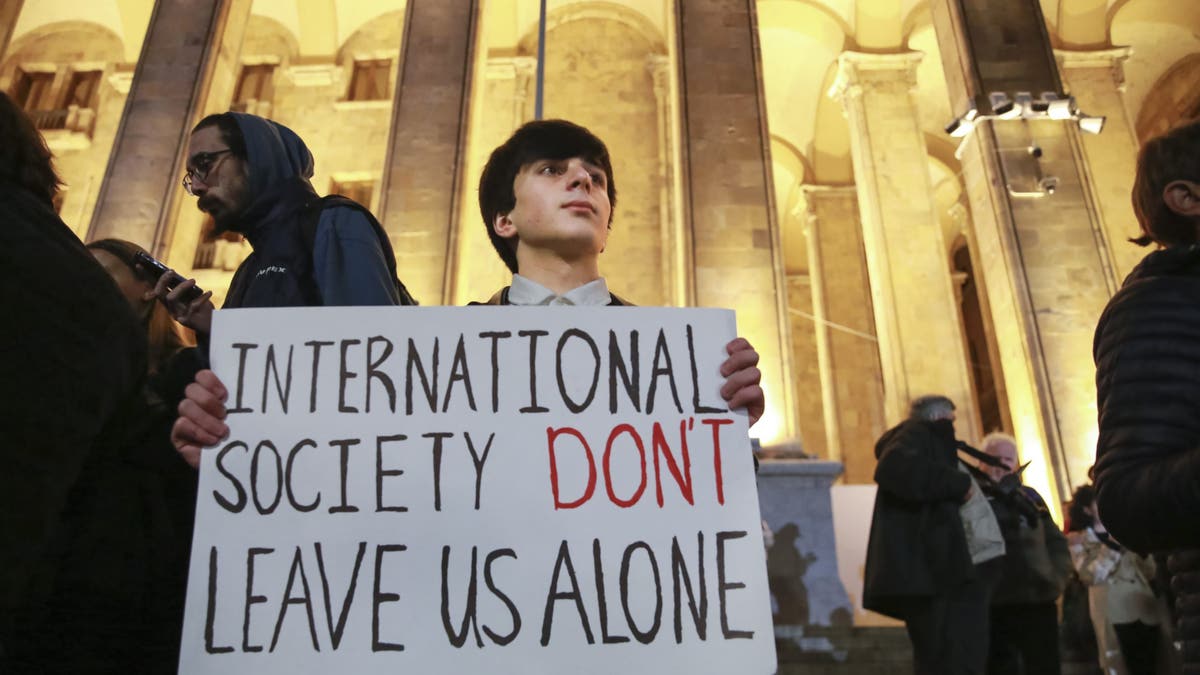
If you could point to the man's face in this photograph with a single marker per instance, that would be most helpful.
(218, 177)
(561, 206)
(1007, 454)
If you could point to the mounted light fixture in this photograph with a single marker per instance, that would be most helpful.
(1061, 109)
(963, 126)
(1023, 106)
(1004, 107)
(1092, 125)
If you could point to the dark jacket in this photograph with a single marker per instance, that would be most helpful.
(1147, 352)
(1036, 562)
(347, 260)
(917, 545)
(72, 363)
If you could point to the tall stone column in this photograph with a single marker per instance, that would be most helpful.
(1042, 253)
(426, 150)
(10, 10)
(501, 104)
(1097, 80)
(671, 235)
(847, 349)
(188, 68)
(728, 189)
(920, 340)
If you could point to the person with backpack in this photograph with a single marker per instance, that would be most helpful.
(252, 176)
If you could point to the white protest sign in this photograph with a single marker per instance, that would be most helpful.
(477, 490)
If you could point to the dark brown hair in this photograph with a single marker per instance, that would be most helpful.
(231, 132)
(163, 334)
(24, 158)
(1173, 156)
(543, 139)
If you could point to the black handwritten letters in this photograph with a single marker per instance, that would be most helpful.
(507, 488)
(377, 373)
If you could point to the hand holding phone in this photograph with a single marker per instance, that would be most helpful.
(155, 270)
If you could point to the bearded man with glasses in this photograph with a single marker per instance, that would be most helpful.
(252, 176)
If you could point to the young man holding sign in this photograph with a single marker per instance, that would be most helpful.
(547, 197)
(502, 511)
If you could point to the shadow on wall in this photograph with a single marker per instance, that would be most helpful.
(786, 567)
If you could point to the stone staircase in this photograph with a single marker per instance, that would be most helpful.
(860, 650)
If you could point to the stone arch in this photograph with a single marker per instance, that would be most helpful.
(378, 37)
(918, 17)
(1174, 98)
(67, 42)
(267, 37)
(593, 11)
(1081, 23)
(780, 12)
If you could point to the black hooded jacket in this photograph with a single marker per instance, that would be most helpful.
(346, 260)
(1147, 352)
(917, 546)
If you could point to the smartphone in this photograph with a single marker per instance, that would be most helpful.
(156, 269)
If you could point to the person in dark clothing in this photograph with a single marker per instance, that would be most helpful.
(1146, 349)
(164, 491)
(1033, 573)
(920, 566)
(72, 363)
(252, 176)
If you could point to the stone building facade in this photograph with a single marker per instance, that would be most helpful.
(787, 158)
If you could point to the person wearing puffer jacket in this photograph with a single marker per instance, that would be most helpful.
(1147, 353)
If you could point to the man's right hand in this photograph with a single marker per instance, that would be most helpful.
(201, 414)
(195, 314)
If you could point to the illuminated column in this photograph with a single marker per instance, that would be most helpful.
(920, 341)
(729, 198)
(424, 161)
(504, 88)
(847, 349)
(673, 239)
(188, 69)
(1041, 252)
(9, 11)
(1097, 80)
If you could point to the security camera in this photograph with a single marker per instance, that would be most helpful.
(1036, 151)
(1048, 184)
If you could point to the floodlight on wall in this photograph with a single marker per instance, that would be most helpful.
(1004, 107)
(1061, 108)
(1092, 125)
(963, 125)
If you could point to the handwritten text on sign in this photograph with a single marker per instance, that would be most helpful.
(501, 490)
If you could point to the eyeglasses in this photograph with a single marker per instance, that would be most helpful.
(202, 164)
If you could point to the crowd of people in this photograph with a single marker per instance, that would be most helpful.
(104, 361)
(98, 488)
(970, 559)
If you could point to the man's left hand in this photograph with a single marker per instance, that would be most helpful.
(742, 378)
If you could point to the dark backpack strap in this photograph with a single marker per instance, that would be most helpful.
(308, 233)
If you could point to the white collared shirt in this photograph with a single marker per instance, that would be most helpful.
(526, 292)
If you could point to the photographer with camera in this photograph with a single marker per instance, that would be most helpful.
(1034, 571)
(931, 556)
